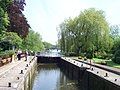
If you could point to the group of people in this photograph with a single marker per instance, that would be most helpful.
(19, 53)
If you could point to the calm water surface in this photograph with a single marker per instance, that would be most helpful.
(50, 77)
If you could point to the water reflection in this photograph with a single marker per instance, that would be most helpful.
(50, 77)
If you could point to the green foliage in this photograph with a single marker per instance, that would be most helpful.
(116, 45)
(4, 21)
(5, 45)
(12, 38)
(87, 32)
(33, 42)
(6, 54)
(71, 54)
(47, 45)
(100, 55)
(89, 55)
(5, 3)
(116, 57)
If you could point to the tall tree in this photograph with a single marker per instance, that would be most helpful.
(47, 45)
(33, 42)
(18, 22)
(87, 32)
(4, 20)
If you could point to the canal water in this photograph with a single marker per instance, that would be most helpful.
(51, 77)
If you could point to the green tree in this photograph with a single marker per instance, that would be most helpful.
(33, 42)
(47, 45)
(87, 32)
(4, 20)
(13, 38)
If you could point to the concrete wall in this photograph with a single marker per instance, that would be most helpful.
(26, 82)
(86, 79)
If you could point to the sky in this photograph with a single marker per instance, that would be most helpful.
(44, 16)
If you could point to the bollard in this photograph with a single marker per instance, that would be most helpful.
(9, 84)
(115, 80)
(25, 68)
(21, 72)
(74, 61)
(106, 74)
(81, 65)
(97, 72)
(92, 69)
(26, 65)
(18, 78)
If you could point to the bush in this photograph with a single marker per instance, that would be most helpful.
(71, 54)
(89, 55)
(100, 55)
(6, 54)
(118, 60)
(109, 56)
(116, 57)
(82, 54)
(3, 55)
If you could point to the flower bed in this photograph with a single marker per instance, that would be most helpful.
(5, 57)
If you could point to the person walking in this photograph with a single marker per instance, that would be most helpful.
(19, 54)
(26, 54)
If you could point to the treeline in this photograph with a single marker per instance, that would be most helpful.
(15, 32)
(90, 35)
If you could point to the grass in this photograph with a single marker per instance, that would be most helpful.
(109, 62)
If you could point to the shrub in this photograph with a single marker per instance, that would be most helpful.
(116, 57)
(3, 55)
(6, 54)
(118, 60)
(89, 55)
(82, 54)
(72, 54)
(100, 55)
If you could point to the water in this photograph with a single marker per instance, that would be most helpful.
(50, 77)
(51, 53)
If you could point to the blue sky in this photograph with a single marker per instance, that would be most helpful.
(44, 16)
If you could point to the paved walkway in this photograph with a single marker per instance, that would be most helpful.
(12, 73)
(110, 76)
(7, 67)
(107, 68)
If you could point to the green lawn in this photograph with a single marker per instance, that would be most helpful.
(109, 62)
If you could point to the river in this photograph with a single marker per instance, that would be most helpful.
(51, 77)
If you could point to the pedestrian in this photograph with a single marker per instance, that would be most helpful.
(26, 54)
(19, 54)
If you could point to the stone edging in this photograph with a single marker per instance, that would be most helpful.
(113, 70)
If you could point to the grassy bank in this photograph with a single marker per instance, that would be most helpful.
(109, 62)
